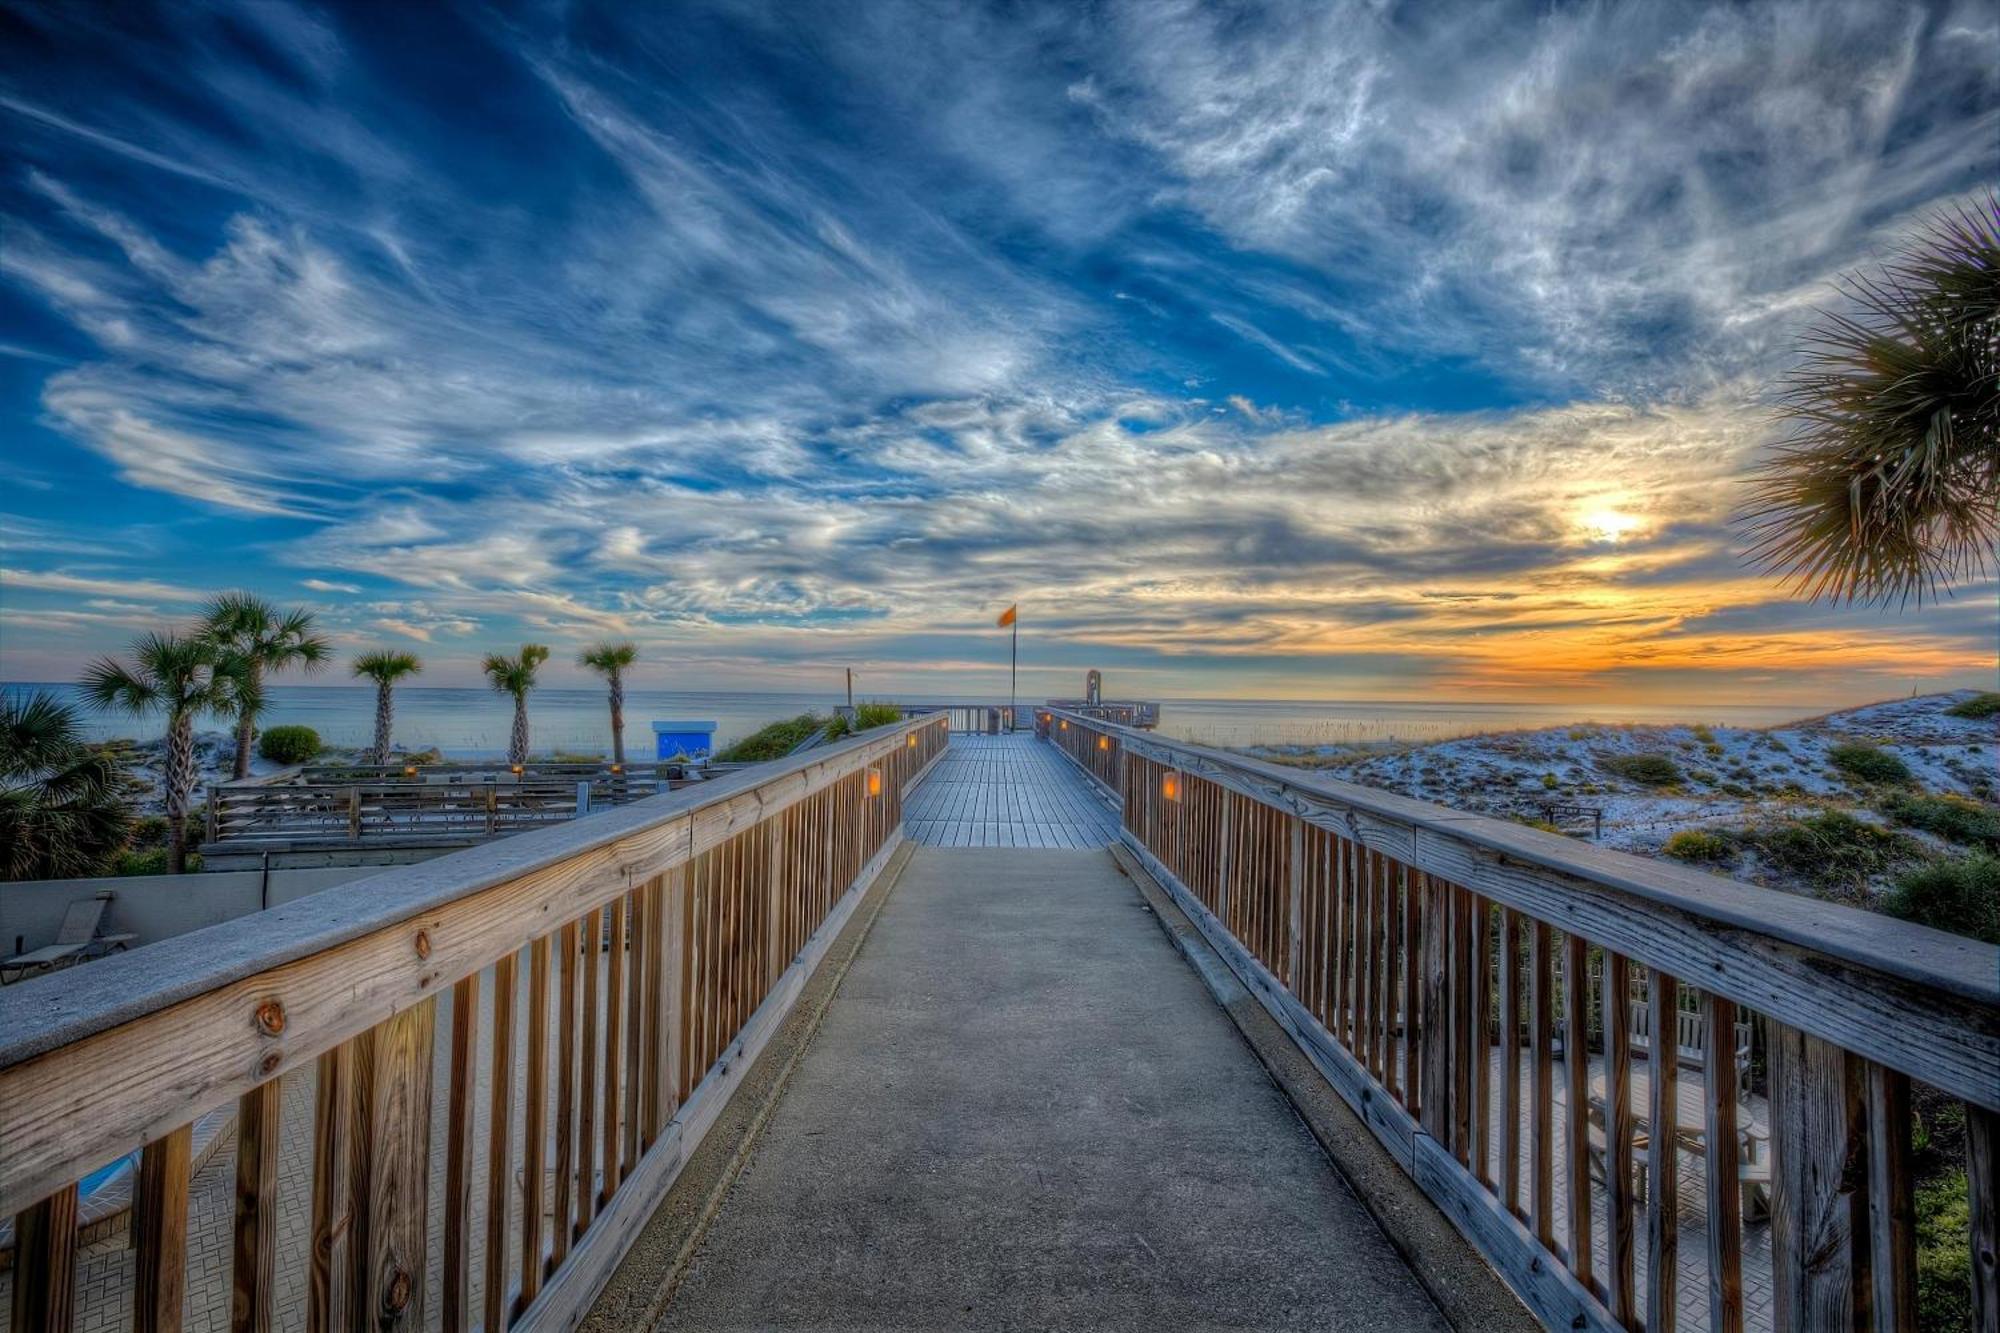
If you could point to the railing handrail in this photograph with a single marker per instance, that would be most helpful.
(78, 1003)
(1946, 966)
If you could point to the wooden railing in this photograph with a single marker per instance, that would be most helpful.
(454, 804)
(1467, 985)
(969, 717)
(661, 944)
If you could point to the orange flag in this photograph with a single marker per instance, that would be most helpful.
(1007, 616)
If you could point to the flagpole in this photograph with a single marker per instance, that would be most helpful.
(1013, 667)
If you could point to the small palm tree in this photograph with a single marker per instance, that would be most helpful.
(60, 809)
(1889, 485)
(264, 642)
(182, 677)
(610, 660)
(516, 676)
(385, 668)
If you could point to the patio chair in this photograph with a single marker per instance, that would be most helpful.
(76, 941)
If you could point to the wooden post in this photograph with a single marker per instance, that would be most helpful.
(354, 813)
(390, 1180)
(253, 1274)
(159, 1233)
(1892, 1213)
(45, 1264)
(1725, 1210)
(1433, 1031)
(1663, 1177)
(326, 1294)
(1819, 1216)
(1982, 1169)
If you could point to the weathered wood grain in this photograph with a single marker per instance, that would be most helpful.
(159, 1233)
(499, 1142)
(390, 1154)
(455, 1296)
(253, 1267)
(1725, 1220)
(326, 1290)
(1892, 1213)
(45, 1264)
(1663, 1178)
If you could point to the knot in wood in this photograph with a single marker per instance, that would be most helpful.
(271, 1018)
(423, 944)
(396, 1292)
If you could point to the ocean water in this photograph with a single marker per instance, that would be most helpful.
(473, 723)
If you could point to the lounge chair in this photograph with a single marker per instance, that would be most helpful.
(76, 941)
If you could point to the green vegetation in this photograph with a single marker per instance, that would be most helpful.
(866, 717)
(1832, 849)
(61, 813)
(772, 742)
(515, 675)
(1700, 846)
(1648, 770)
(1549, 782)
(1944, 1260)
(385, 668)
(254, 640)
(1868, 764)
(289, 745)
(610, 661)
(1958, 894)
(1979, 707)
(1952, 818)
(1701, 733)
(1884, 489)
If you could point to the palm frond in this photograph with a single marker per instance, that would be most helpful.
(608, 658)
(385, 665)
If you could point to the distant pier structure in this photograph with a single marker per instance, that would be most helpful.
(1093, 704)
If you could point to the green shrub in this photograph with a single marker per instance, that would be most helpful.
(1702, 733)
(1649, 770)
(152, 860)
(1950, 817)
(1865, 763)
(774, 741)
(1979, 707)
(871, 715)
(1832, 849)
(1549, 782)
(1700, 846)
(1944, 1259)
(289, 745)
(1959, 894)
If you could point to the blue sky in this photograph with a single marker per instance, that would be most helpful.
(1285, 350)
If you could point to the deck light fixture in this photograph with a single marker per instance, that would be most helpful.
(1170, 785)
(1065, 724)
(409, 770)
(515, 769)
(913, 740)
(1103, 742)
(874, 782)
(618, 768)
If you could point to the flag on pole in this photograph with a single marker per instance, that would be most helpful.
(1007, 616)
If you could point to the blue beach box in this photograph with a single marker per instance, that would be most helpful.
(683, 740)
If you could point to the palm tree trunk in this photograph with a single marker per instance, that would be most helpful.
(517, 744)
(385, 718)
(617, 720)
(246, 726)
(180, 788)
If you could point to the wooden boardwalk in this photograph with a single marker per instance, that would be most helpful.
(1007, 791)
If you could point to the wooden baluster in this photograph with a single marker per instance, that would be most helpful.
(326, 1292)
(591, 942)
(563, 1212)
(1541, 1085)
(1383, 974)
(45, 1264)
(1819, 1212)
(653, 1107)
(1725, 1217)
(1343, 953)
(159, 1233)
(1434, 1110)
(1482, 1041)
(1663, 1177)
(1295, 894)
(499, 1145)
(1510, 1060)
(253, 1274)
(389, 1155)
(1576, 1072)
(678, 907)
(638, 933)
(1413, 985)
(1463, 974)
(1982, 1169)
(534, 1121)
(1618, 1133)
(614, 1050)
(1392, 990)
(1892, 1221)
(455, 1295)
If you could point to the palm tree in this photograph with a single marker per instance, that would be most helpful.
(253, 632)
(610, 660)
(61, 813)
(183, 677)
(385, 668)
(1889, 485)
(516, 676)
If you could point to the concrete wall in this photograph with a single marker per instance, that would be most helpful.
(157, 907)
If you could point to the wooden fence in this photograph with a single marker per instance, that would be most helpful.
(451, 805)
(696, 916)
(1401, 943)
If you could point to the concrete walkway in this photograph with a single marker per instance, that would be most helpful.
(1023, 1110)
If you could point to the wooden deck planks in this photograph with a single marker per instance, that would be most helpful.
(1007, 791)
